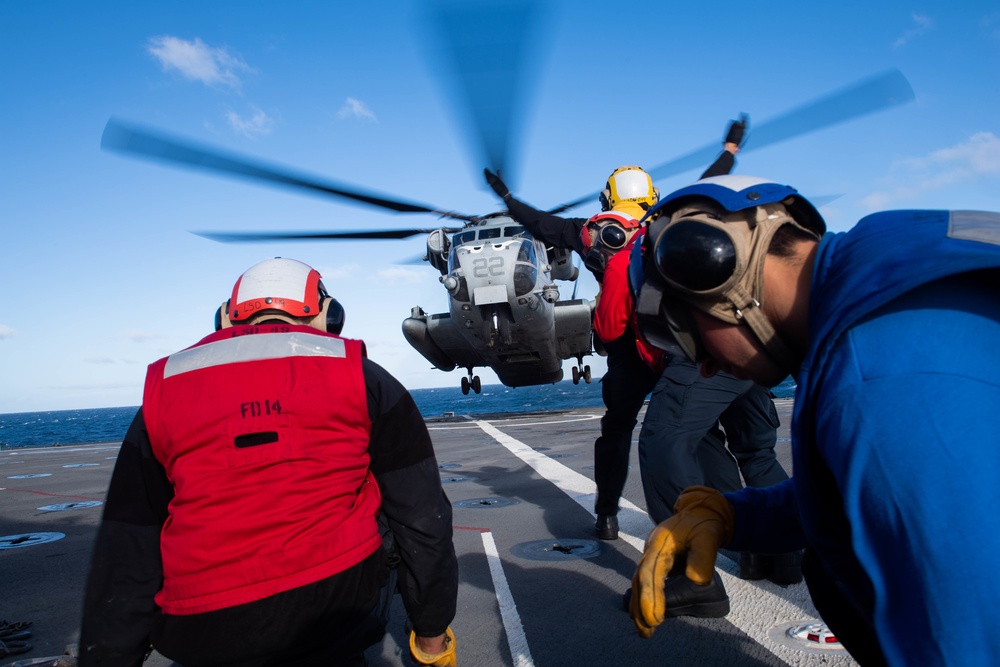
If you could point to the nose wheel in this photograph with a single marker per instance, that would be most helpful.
(581, 375)
(472, 382)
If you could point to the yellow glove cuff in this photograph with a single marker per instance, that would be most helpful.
(444, 659)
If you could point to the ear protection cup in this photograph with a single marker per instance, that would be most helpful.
(334, 316)
(605, 199)
(222, 317)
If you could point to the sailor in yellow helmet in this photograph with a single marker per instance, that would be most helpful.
(694, 445)
(628, 193)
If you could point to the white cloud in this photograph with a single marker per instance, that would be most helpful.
(333, 274)
(259, 123)
(921, 24)
(992, 24)
(357, 109)
(975, 158)
(101, 360)
(140, 336)
(6, 331)
(198, 61)
(400, 274)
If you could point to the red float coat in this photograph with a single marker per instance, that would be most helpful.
(263, 432)
(614, 315)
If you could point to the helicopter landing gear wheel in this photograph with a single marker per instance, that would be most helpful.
(477, 386)
(576, 375)
(466, 386)
(586, 374)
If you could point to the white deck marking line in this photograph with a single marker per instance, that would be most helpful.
(755, 609)
(632, 521)
(512, 423)
(516, 639)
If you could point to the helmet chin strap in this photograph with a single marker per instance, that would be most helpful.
(742, 301)
(749, 310)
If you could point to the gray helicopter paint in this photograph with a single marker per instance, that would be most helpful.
(520, 329)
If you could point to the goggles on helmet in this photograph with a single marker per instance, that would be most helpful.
(612, 237)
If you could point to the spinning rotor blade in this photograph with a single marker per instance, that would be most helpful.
(486, 47)
(882, 91)
(242, 237)
(135, 141)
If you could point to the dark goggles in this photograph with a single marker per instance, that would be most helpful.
(612, 237)
(696, 258)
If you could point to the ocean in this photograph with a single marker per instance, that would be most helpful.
(70, 427)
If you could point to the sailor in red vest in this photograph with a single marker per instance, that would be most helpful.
(270, 490)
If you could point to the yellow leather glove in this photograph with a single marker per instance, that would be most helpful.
(702, 522)
(444, 659)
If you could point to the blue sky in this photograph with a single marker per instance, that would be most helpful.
(101, 276)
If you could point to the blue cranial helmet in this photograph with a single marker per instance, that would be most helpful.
(736, 193)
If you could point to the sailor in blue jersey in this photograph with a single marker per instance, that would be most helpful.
(891, 331)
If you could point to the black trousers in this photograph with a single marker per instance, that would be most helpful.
(718, 432)
(624, 389)
(330, 622)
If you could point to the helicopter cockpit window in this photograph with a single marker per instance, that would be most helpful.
(464, 237)
(526, 253)
(489, 233)
(525, 268)
(513, 232)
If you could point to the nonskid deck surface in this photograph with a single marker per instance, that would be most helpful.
(537, 587)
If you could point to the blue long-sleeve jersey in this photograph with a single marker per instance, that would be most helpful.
(895, 452)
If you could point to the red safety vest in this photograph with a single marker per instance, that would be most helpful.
(263, 432)
(615, 311)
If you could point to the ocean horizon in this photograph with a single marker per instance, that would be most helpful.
(73, 427)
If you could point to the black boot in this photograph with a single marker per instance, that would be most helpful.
(607, 527)
(786, 568)
(686, 598)
(754, 566)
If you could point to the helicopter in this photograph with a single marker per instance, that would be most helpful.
(505, 310)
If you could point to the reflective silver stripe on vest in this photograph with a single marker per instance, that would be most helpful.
(981, 226)
(253, 348)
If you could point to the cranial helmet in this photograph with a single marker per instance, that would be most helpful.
(629, 184)
(704, 248)
(285, 290)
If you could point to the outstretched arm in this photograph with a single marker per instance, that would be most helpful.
(551, 230)
(734, 139)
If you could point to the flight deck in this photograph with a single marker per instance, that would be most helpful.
(536, 586)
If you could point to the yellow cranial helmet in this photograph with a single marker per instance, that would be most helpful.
(629, 184)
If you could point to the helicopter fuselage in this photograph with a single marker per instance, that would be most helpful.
(504, 307)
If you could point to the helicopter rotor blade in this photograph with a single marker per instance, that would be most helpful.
(135, 141)
(487, 48)
(248, 237)
(869, 95)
